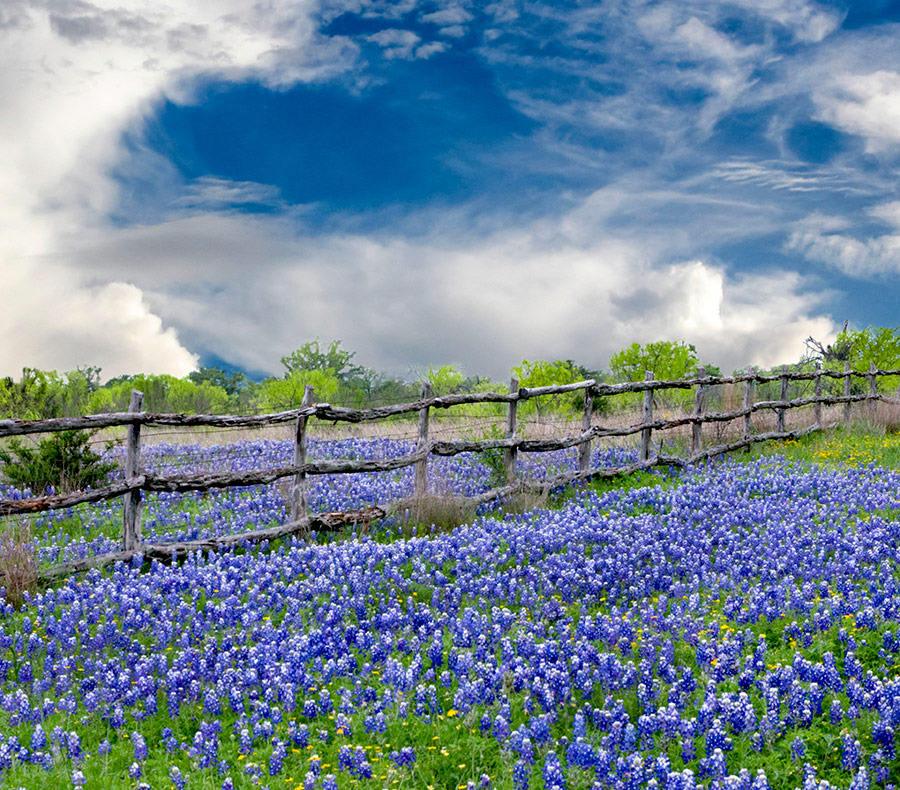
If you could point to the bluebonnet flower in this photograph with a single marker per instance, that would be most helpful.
(140, 746)
(554, 779)
(276, 759)
(405, 757)
(850, 753)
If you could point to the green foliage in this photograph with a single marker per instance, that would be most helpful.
(666, 359)
(335, 360)
(445, 379)
(878, 346)
(232, 381)
(64, 461)
(542, 373)
(287, 393)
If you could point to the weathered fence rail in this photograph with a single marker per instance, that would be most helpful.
(135, 481)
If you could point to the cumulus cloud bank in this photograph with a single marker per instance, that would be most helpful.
(405, 304)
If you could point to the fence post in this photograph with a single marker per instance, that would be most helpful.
(847, 391)
(784, 394)
(131, 527)
(584, 450)
(873, 393)
(646, 417)
(511, 454)
(697, 427)
(299, 504)
(817, 409)
(748, 401)
(422, 466)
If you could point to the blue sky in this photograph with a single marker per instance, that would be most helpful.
(438, 182)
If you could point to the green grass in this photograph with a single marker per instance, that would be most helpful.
(858, 444)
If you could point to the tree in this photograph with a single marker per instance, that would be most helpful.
(444, 380)
(876, 345)
(287, 393)
(666, 359)
(339, 361)
(232, 381)
(541, 373)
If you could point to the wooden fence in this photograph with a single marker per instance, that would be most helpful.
(135, 481)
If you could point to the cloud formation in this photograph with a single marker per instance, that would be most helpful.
(545, 182)
(405, 304)
(74, 77)
(823, 239)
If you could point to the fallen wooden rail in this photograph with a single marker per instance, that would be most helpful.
(168, 552)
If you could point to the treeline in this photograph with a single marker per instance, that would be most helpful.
(337, 378)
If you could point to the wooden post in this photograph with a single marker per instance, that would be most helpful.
(847, 392)
(784, 396)
(873, 393)
(584, 450)
(748, 402)
(646, 417)
(299, 489)
(131, 528)
(697, 427)
(422, 466)
(511, 454)
(817, 409)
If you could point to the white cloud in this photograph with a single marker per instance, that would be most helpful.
(551, 290)
(888, 213)
(452, 15)
(819, 239)
(808, 21)
(425, 51)
(788, 176)
(864, 104)
(396, 43)
(250, 288)
(73, 77)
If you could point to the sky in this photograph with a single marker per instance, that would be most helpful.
(217, 182)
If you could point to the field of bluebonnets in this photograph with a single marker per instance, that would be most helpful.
(733, 625)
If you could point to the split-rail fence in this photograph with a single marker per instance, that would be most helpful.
(135, 481)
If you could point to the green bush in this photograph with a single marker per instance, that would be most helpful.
(64, 462)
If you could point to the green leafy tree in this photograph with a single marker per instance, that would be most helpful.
(876, 345)
(445, 379)
(542, 373)
(666, 359)
(232, 381)
(184, 396)
(287, 393)
(36, 395)
(338, 361)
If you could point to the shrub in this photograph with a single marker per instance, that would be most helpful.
(18, 566)
(435, 512)
(64, 461)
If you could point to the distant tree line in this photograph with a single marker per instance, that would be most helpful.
(337, 378)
